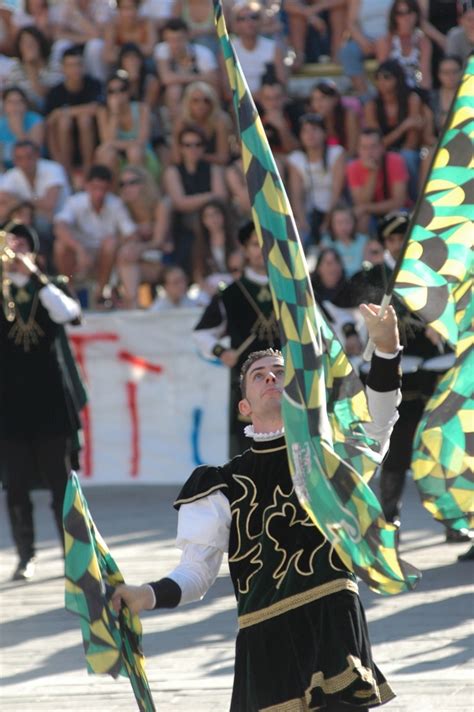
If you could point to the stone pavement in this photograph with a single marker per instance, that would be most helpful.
(422, 641)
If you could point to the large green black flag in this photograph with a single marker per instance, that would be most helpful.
(112, 643)
(324, 404)
(435, 281)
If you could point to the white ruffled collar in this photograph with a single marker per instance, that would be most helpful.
(261, 279)
(263, 437)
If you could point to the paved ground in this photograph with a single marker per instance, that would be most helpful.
(422, 640)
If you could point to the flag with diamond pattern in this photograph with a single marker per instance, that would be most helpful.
(324, 404)
(435, 281)
(112, 642)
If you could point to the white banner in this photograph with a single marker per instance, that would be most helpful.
(156, 409)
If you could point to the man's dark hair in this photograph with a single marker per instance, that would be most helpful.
(99, 172)
(246, 232)
(74, 51)
(250, 360)
(194, 129)
(175, 24)
(27, 143)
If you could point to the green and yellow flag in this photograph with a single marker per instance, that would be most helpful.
(435, 281)
(112, 642)
(324, 405)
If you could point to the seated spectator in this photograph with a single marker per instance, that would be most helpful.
(82, 22)
(174, 294)
(143, 84)
(367, 22)
(341, 121)
(259, 56)
(238, 191)
(449, 75)
(316, 178)
(398, 114)
(140, 261)
(71, 108)
(275, 118)
(124, 129)
(377, 181)
(304, 18)
(216, 241)
(180, 63)
(343, 237)
(460, 40)
(18, 123)
(42, 182)
(127, 26)
(31, 70)
(89, 230)
(190, 184)
(36, 13)
(199, 17)
(200, 107)
(407, 44)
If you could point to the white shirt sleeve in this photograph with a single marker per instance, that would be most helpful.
(61, 308)
(203, 535)
(67, 214)
(383, 411)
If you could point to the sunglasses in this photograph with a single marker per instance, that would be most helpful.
(122, 90)
(384, 75)
(191, 144)
(402, 13)
(251, 17)
(201, 100)
(132, 181)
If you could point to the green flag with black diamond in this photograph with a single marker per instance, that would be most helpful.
(324, 404)
(112, 642)
(435, 281)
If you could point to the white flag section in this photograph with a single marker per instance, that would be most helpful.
(156, 409)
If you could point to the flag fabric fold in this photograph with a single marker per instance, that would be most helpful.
(324, 406)
(435, 282)
(112, 642)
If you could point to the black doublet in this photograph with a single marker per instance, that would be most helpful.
(35, 399)
(303, 635)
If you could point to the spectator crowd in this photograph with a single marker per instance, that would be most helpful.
(119, 145)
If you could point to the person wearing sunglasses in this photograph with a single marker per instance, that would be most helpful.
(256, 53)
(460, 40)
(407, 44)
(200, 106)
(125, 129)
(190, 184)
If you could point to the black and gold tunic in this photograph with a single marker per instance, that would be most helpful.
(302, 638)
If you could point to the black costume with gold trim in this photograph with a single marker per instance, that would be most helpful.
(41, 394)
(246, 307)
(303, 639)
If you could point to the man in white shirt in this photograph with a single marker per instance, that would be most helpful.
(303, 641)
(179, 63)
(259, 56)
(39, 181)
(89, 230)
